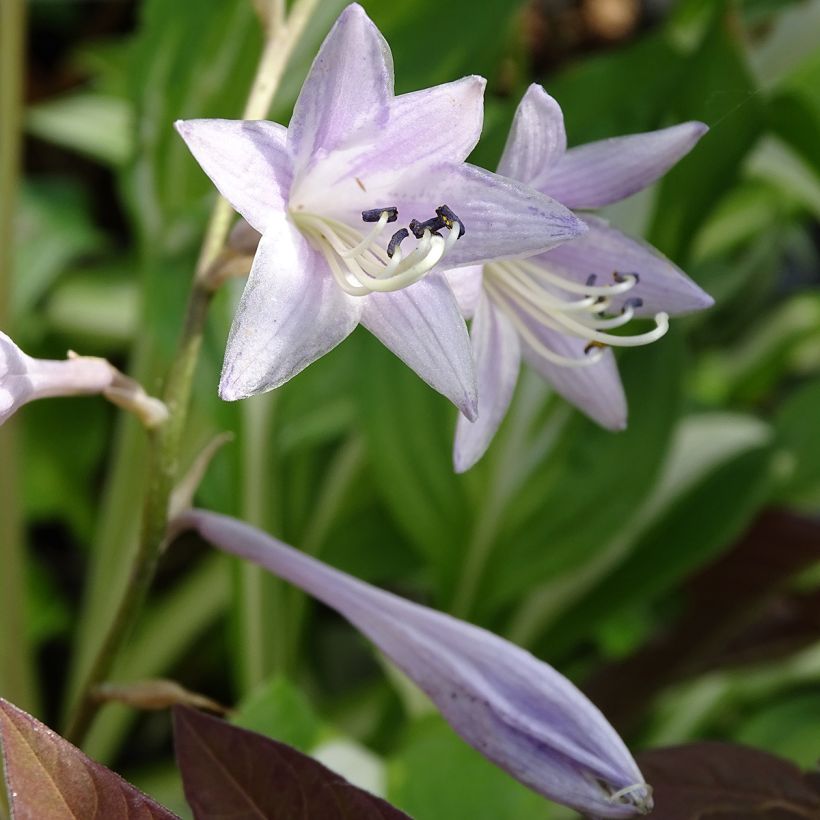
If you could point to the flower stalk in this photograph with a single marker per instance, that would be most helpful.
(16, 674)
(165, 441)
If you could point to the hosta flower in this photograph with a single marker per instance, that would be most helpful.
(517, 711)
(359, 202)
(559, 309)
(24, 379)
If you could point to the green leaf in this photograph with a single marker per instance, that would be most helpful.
(796, 426)
(698, 526)
(279, 710)
(735, 115)
(574, 503)
(408, 431)
(434, 775)
(54, 228)
(92, 124)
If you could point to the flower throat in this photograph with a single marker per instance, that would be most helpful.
(363, 264)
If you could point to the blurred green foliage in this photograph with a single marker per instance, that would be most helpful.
(576, 542)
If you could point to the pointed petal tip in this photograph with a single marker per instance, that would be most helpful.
(469, 405)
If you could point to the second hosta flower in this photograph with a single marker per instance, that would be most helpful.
(559, 309)
(358, 201)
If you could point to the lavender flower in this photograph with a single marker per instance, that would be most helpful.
(24, 379)
(322, 192)
(517, 711)
(558, 308)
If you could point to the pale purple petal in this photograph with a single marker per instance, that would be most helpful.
(247, 161)
(291, 313)
(516, 710)
(422, 325)
(497, 356)
(596, 389)
(604, 250)
(24, 379)
(537, 140)
(347, 90)
(599, 173)
(434, 125)
(466, 286)
(502, 218)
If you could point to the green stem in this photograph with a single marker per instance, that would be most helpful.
(17, 680)
(164, 443)
(260, 596)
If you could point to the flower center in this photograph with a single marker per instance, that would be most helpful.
(363, 264)
(522, 287)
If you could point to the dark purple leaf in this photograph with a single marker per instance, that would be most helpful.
(726, 781)
(723, 601)
(231, 772)
(47, 777)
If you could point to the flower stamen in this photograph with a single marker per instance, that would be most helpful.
(362, 265)
(521, 287)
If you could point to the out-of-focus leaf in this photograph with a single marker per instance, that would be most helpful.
(598, 98)
(576, 502)
(796, 425)
(408, 429)
(188, 60)
(49, 778)
(735, 115)
(778, 164)
(435, 775)
(775, 347)
(92, 124)
(54, 228)
(724, 781)
(792, 40)
(696, 527)
(754, 571)
(279, 710)
(227, 770)
(787, 727)
(95, 307)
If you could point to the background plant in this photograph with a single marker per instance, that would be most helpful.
(670, 569)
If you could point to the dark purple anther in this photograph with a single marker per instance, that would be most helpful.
(433, 225)
(375, 214)
(396, 240)
(635, 302)
(449, 218)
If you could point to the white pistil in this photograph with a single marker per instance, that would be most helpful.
(522, 287)
(360, 265)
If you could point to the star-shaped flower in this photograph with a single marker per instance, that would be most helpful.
(516, 710)
(354, 158)
(557, 309)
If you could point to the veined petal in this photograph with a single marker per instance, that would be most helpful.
(291, 313)
(516, 710)
(466, 286)
(437, 124)
(497, 355)
(603, 250)
(422, 325)
(537, 140)
(596, 389)
(247, 160)
(598, 173)
(347, 89)
(503, 219)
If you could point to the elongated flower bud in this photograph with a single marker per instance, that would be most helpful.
(24, 379)
(517, 711)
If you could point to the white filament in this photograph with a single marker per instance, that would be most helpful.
(360, 264)
(524, 287)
